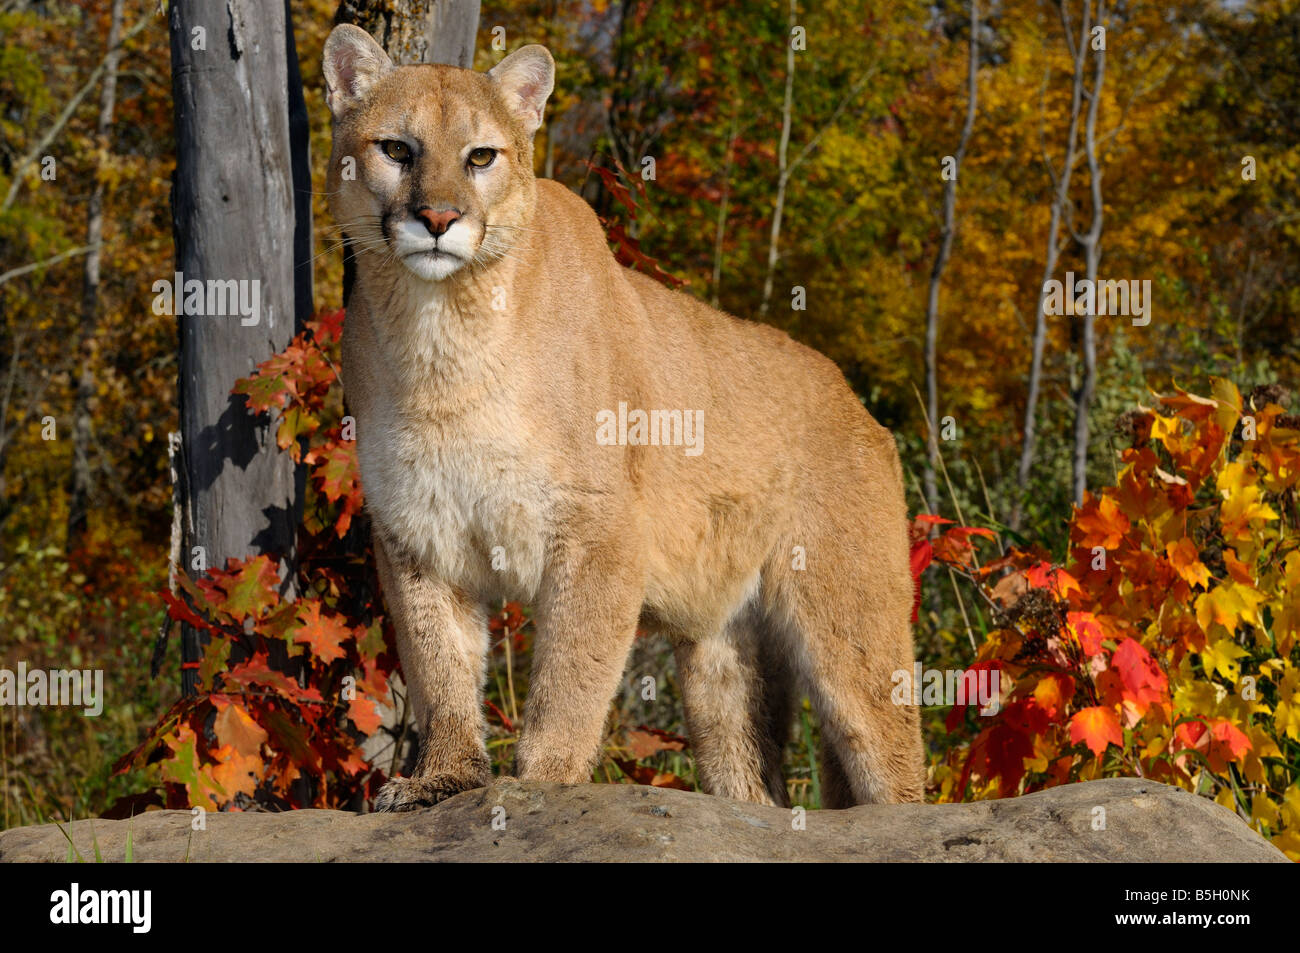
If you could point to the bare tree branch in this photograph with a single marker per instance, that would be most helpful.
(787, 114)
(13, 273)
(941, 262)
(56, 127)
(1091, 242)
(1059, 200)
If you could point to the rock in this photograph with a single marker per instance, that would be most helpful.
(619, 822)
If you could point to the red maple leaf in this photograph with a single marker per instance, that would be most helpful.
(179, 610)
(642, 774)
(327, 326)
(1143, 681)
(336, 472)
(1087, 630)
(1227, 743)
(921, 557)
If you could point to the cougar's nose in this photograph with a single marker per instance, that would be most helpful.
(437, 222)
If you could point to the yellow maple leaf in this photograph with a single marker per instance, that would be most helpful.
(1262, 746)
(1228, 398)
(1288, 842)
(1290, 807)
(1286, 717)
(1263, 809)
(1221, 656)
(1242, 505)
(1228, 606)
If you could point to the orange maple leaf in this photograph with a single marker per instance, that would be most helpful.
(1186, 560)
(364, 714)
(1101, 522)
(235, 727)
(235, 772)
(1053, 692)
(323, 634)
(1096, 727)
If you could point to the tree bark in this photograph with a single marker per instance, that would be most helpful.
(300, 160)
(81, 480)
(235, 217)
(418, 31)
(940, 263)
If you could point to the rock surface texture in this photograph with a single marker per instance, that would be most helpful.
(516, 821)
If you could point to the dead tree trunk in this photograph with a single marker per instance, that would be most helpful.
(239, 233)
(80, 477)
(418, 31)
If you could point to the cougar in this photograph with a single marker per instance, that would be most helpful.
(535, 422)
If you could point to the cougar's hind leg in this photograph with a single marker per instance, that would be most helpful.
(736, 694)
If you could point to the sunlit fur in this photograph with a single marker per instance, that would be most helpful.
(476, 388)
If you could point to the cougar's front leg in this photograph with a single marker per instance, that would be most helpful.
(442, 642)
(586, 620)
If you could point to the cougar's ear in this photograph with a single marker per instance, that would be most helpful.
(353, 62)
(526, 78)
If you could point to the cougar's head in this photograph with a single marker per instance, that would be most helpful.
(432, 166)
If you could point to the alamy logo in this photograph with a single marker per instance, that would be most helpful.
(215, 297)
(56, 687)
(103, 906)
(933, 686)
(655, 428)
(1099, 298)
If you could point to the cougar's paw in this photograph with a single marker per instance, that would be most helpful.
(411, 794)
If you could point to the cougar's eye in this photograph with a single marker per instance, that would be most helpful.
(482, 158)
(396, 150)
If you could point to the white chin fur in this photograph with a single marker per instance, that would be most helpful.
(414, 246)
(432, 267)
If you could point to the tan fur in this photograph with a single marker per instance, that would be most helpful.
(476, 428)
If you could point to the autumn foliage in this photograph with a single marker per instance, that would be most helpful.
(1167, 647)
(288, 688)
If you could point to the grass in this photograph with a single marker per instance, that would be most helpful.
(74, 855)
